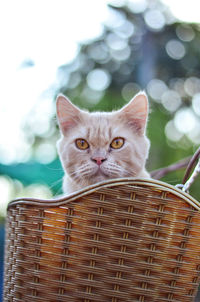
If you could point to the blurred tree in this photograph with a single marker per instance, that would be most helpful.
(142, 47)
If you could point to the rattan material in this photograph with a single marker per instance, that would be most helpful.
(119, 241)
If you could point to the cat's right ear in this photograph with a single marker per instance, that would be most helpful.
(68, 115)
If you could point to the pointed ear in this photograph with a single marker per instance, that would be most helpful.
(68, 115)
(136, 112)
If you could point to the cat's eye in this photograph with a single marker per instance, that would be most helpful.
(82, 144)
(117, 143)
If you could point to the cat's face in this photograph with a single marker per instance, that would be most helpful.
(99, 146)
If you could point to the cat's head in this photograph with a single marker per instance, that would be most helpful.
(99, 146)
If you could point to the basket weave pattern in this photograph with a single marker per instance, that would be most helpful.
(125, 240)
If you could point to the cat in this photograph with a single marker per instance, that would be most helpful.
(102, 145)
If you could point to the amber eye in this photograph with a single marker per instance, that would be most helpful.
(82, 144)
(117, 143)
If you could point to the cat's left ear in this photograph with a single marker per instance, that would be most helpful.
(136, 112)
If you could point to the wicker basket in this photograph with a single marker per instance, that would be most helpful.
(121, 240)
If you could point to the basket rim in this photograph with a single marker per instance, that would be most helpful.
(106, 184)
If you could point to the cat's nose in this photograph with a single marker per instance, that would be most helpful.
(98, 160)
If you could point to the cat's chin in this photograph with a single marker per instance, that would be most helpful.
(100, 175)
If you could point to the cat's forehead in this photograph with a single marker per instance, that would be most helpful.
(99, 128)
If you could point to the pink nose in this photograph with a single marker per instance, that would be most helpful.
(98, 160)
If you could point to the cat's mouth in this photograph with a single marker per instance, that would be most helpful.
(101, 173)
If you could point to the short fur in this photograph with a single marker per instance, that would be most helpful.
(99, 129)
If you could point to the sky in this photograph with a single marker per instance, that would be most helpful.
(187, 11)
(45, 35)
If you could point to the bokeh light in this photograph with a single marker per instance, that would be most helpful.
(172, 133)
(154, 19)
(178, 85)
(6, 189)
(194, 135)
(129, 90)
(185, 120)
(45, 153)
(192, 86)
(90, 97)
(156, 88)
(114, 19)
(99, 51)
(171, 100)
(122, 54)
(175, 49)
(98, 79)
(13, 188)
(115, 42)
(185, 32)
(137, 6)
(196, 103)
(125, 29)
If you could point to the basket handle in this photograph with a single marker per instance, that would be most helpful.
(187, 181)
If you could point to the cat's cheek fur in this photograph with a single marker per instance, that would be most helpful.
(68, 155)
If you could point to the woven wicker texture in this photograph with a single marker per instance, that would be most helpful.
(119, 241)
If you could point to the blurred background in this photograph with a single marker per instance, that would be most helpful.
(99, 53)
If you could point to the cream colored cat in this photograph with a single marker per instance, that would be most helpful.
(97, 146)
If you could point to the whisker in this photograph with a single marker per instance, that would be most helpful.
(54, 169)
(58, 192)
(80, 170)
(115, 168)
(55, 183)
